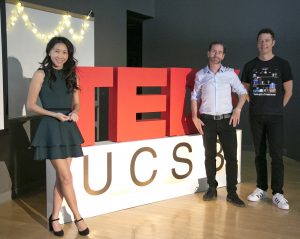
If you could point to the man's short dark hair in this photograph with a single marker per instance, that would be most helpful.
(267, 31)
(217, 43)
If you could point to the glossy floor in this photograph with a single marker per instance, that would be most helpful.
(179, 218)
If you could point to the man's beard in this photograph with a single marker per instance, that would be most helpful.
(215, 60)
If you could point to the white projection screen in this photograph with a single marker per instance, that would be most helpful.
(25, 50)
(1, 85)
(3, 77)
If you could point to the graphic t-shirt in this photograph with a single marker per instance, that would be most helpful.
(266, 80)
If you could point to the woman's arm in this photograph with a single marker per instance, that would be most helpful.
(33, 94)
(75, 105)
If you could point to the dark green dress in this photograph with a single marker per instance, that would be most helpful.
(55, 139)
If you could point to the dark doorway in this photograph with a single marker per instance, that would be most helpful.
(135, 44)
(135, 38)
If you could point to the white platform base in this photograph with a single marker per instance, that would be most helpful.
(115, 176)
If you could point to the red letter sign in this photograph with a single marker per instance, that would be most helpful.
(181, 81)
(124, 104)
(91, 78)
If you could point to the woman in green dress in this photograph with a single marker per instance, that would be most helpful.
(58, 137)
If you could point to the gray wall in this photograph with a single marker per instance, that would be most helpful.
(181, 31)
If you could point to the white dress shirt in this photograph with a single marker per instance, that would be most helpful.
(214, 90)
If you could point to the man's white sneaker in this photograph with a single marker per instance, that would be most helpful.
(280, 201)
(257, 195)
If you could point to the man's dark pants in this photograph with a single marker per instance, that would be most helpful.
(228, 139)
(268, 128)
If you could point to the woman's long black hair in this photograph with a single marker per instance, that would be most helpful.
(69, 68)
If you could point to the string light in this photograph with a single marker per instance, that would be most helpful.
(63, 24)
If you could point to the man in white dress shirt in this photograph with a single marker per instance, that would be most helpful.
(217, 117)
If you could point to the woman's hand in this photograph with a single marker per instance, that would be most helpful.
(73, 116)
(61, 117)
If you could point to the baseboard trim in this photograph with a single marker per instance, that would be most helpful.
(5, 196)
(19, 191)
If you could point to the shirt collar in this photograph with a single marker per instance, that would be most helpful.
(207, 70)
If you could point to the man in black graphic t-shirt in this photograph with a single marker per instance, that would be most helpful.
(265, 81)
(268, 79)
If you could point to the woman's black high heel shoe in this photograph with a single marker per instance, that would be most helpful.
(85, 232)
(56, 233)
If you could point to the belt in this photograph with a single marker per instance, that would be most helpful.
(215, 117)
